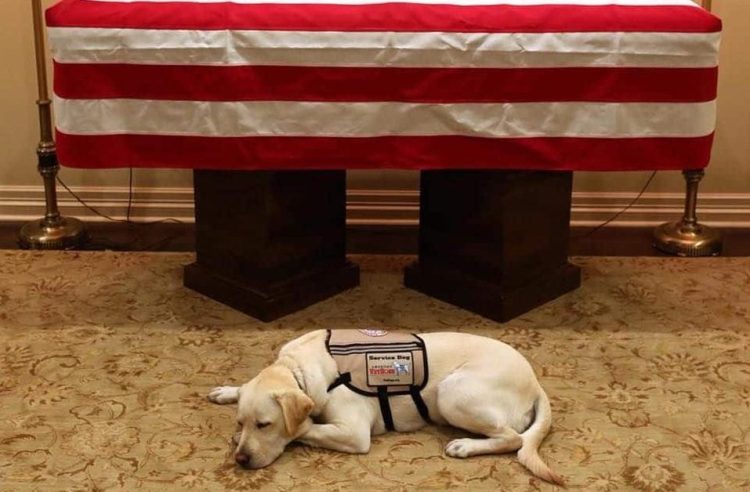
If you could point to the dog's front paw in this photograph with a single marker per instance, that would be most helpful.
(224, 394)
(459, 448)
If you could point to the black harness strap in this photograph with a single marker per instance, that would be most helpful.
(383, 400)
(385, 408)
(342, 379)
(420, 404)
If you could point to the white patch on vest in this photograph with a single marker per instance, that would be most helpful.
(387, 369)
(374, 333)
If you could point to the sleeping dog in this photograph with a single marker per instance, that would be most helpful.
(475, 383)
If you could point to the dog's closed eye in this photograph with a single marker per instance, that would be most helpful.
(260, 425)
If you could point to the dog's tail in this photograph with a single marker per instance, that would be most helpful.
(528, 455)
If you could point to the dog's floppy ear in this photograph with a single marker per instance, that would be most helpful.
(296, 406)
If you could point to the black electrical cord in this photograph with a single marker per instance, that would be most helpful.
(103, 243)
(614, 217)
(112, 219)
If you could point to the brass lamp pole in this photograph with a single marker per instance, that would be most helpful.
(687, 237)
(53, 231)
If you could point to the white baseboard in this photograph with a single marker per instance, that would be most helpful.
(374, 207)
(21, 203)
(652, 209)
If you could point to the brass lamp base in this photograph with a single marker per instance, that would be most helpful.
(683, 239)
(53, 231)
(687, 237)
(65, 233)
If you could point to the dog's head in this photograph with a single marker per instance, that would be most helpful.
(272, 412)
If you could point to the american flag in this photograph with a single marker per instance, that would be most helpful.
(334, 84)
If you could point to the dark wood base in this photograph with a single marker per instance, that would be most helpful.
(268, 303)
(489, 299)
(494, 242)
(270, 243)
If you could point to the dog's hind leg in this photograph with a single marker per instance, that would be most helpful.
(504, 440)
(475, 412)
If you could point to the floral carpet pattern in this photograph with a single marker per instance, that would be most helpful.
(105, 361)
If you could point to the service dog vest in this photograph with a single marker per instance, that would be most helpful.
(381, 364)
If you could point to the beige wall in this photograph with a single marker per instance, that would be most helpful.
(729, 171)
(19, 132)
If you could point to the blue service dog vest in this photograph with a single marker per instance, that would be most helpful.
(380, 363)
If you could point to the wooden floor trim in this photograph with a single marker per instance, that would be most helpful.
(373, 239)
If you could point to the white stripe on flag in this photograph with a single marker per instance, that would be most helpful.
(427, 49)
(278, 118)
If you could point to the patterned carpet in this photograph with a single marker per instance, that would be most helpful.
(105, 360)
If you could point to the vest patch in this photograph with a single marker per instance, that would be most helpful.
(390, 369)
(381, 364)
(395, 361)
(374, 333)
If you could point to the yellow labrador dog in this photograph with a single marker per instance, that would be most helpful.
(475, 383)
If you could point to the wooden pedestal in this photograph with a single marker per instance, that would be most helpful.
(494, 242)
(270, 243)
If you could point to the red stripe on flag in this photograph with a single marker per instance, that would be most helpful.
(399, 17)
(279, 153)
(438, 85)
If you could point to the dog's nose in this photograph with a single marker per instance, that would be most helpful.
(242, 459)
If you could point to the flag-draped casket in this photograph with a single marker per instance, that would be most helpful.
(347, 84)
